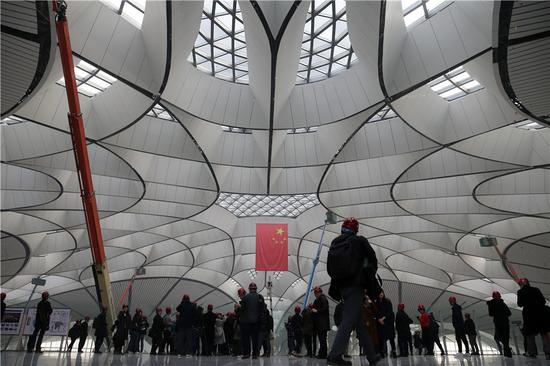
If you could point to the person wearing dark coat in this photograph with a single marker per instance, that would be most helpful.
(168, 335)
(156, 333)
(209, 321)
(536, 317)
(143, 325)
(470, 329)
(184, 334)
(41, 323)
(308, 331)
(73, 334)
(100, 326)
(133, 345)
(321, 320)
(402, 326)
(386, 325)
(228, 328)
(251, 307)
(266, 327)
(500, 313)
(418, 342)
(198, 332)
(289, 335)
(427, 330)
(458, 324)
(297, 323)
(3, 297)
(122, 325)
(435, 326)
(83, 333)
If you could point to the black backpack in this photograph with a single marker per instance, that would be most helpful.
(344, 260)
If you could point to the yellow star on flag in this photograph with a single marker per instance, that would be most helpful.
(280, 231)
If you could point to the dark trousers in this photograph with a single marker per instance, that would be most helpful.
(308, 340)
(460, 335)
(34, 341)
(168, 342)
(250, 333)
(266, 343)
(438, 343)
(290, 341)
(403, 344)
(428, 340)
(81, 343)
(351, 319)
(99, 342)
(410, 342)
(70, 347)
(118, 344)
(322, 336)
(297, 342)
(502, 335)
(156, 344)
(473, 343)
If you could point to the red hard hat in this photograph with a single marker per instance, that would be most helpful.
(401, 307)
(452, 299)
(496, 295)
(185, 297)
(310, 306)
(297, 309)
(158, 310)
(252, 286)
(421, 307)
(523, 281)
(3, 295)
(241, 291)
(168, 309)
(210, 306)
(317, 289)
(351, 223)
(45, 295)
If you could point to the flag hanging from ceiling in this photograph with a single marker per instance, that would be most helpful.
(271, 247)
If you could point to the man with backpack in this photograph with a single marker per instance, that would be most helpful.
(352, 266)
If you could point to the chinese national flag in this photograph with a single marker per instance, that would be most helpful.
(271, 247)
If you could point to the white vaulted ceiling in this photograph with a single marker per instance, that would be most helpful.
(198, 139)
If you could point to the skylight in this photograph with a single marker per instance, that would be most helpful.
(326, 47)
(415, 11)
(252, 274)
(529, 125)
(455, 84)
(131, 10)
(161, 113)
(220, 47)
(245, 205)
(384, 113)
(295, 131)
(236, 129)
(12, 120)
(89, 79)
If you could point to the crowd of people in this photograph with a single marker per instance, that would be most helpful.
(362, 307)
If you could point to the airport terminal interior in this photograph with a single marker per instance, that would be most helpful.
(428, 121)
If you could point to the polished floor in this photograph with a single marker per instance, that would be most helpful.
(57, 359)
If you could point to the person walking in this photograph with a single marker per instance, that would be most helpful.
(402, 326)
(73, 334)
(41, 323)
(143, 325)
(83, 333)
(435, 327)
(470, 329)
(321, 320)
(386, 325)
(133, 345)
(100, 326)
(352, 266)
(122, 325)
(289, 335)
(308, 331)
(458, 324)
(249, 321)
(266, 328)
(296, 322)
(536, 317)
(209, 329)
(427, 331)
(500, 313)
(184, 334)
(156, 333)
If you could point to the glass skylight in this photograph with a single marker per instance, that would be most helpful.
(455, 84)
(326, 48)
(252, 274)
(220, 47)
(278, 275)
(131, 10)
(384, 113)
(294, 131)
(415, 11)
(12, 120)
(529, 125)
(245, 205)
(89, 79)
(297, 281)
(236, 129)
(161, 113)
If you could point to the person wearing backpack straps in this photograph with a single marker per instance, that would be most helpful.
(351, 264)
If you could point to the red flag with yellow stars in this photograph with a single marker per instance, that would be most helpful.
(271, 247)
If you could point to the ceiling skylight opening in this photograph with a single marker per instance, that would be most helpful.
(158, 112)
(236, 130)
(455, 84)
(89, 79)
(12, 120)
(326, 47)
(415, 11)
(252, 274)
(220, 47)
(295, 131)
(246, 205)
(278, 275)
(529, 125)
(131, 10)
(383, 114)
(296, 282)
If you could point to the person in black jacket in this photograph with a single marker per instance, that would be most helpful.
(536, 317)
(83, 333)
(297, 322)
(321, 320)
(402, 326)
(100, 326)
(184, 334)
(308, 331)
(143, 325)
(500, 313)
(386, 325)
(289, 335)
(133, 346)
(470, 329)
(41, 323)
(266, 327)
(352, 291)
(228, 328)
(3, 297)
(458, 324)
(73, 334)
(435, 326)
(198, 331)
(249, 321)
(122, 325)
(156, 332)
(209, 322)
